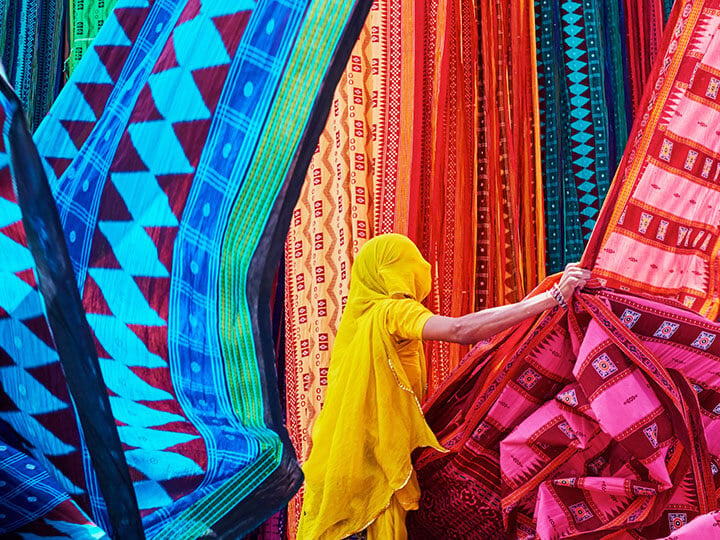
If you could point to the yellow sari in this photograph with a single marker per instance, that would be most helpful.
(359, 474)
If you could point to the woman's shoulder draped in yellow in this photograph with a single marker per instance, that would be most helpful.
(371, 420)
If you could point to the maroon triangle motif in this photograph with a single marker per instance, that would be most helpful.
(168, 58)
(15, 231)
(113, 58)
(71, 466)
(53, 420)
(96, 95)
(6, 185)
(155, 337)
(102, 255)
(145, 109)
(156, 292)
(78, 131)
(206, 81)
(5, 358)
(131, 20)
(59, 165)
(231, 28)
(51, 377)
(94, 299)
(112, 206)
(192, 137)
(101, 352)
(176, 187)
(126, 157)
(192, 8)
(39, 327)
(28, 276)
(164, 239)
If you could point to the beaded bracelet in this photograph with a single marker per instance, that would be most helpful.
(558, 296)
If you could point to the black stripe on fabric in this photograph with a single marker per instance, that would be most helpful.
(70, 330)
(275, 492)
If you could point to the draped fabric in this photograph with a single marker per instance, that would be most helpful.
(658, 232)
(593, 61)
(443, 175)
(174, 157)
(346, 199)
(359, 471)
(510, 244)
(603, 418)
(85, 19)
(31, 41)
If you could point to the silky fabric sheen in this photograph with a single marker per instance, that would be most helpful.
(359, 472)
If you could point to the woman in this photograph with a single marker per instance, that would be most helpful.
(359, 474)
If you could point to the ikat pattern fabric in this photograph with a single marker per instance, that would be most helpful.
(657, 234)
(164, 153)
(31, 49)
(602, 418)
(585, 426)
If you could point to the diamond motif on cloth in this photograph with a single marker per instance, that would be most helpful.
(644, 491)
(529, 378)
(662, 230)
(596, 465)
(567, 430)
(666, 330)
(713, 87)
(569, 398)
(707, 167)
(666, 150)
(580, 512)
(677, 520)
(604, 366)
(629, 317)
(690, 160)
(564, 482)
(651, 432)
(645, 220)
(704, 340)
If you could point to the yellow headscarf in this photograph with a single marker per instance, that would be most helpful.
(371, 420)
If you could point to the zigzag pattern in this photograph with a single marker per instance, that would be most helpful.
(128, 285)
(583, 133)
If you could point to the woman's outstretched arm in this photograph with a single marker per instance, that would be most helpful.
(473, 327)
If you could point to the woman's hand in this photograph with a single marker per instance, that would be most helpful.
(572, 278)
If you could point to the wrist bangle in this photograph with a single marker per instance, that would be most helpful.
(558, 296)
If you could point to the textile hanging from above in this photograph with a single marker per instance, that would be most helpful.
(355, 185)
(658, 233)
(31, 41)
(593, 60)
(173, 156)
(443, 174)
(601, 418)
(510, 254)
(389, 160)
(85, 19)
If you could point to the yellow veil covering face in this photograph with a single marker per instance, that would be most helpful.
(371, 420)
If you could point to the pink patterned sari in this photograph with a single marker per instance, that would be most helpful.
(604, 420)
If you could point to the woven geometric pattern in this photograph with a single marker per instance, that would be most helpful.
(167, 125)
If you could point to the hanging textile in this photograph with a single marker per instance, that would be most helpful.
(174, 173)
(31, 40)
(601, 418)
(510, 246)
(593, 60)
(355, 185)
(86, 18)
(657, 234)
(443, 177)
